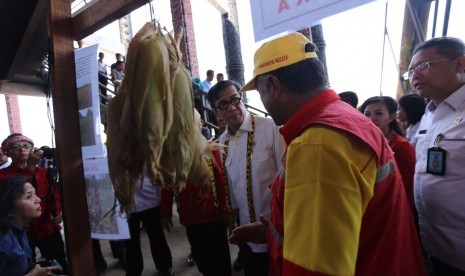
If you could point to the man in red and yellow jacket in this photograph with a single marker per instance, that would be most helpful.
(338, 204)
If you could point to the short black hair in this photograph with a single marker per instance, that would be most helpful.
(304, 76)
(449, 47)
(391, 106)
(10, 189)
(214, 92)
(349, 97)
(414, 106)
(210, 72)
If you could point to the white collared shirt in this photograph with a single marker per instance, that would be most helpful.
(102, 67)
(146, 196)
(411, 132)
(440, 200)
(207, 85)
(266, 158)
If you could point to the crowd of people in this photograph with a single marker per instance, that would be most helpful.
(345, 202)
(30, 201)
(117, 71)
(321, 187)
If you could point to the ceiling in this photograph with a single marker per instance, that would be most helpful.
(24, 39)
(23, 46)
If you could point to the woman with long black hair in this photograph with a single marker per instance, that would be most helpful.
(381, 110)
(19, 206)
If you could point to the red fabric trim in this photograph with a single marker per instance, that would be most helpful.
(166, 204)
(388, 239)
(292, 269)
(195, 206)
(293, 127)
(404, 153)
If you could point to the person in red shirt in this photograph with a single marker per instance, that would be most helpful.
(382, 111)
(43, 232)
(205, 215)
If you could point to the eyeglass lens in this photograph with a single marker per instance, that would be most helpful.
(225, 104)
(21, 147)
(423, 66)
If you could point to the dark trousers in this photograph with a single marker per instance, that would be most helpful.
(442, 269)
(161, 253)
(102, 79)
(53, 247)
(255, 264)
(210, 247)
(99, 260)
(117, 250)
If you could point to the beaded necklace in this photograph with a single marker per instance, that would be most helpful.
(211, 176)
(250, 143)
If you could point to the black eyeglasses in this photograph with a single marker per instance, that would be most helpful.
(423, 66)
(223, 105)
(19, 148)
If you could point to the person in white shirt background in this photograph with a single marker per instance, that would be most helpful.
(207, 83)
(147, 210)
(252, 157)
(102, 77)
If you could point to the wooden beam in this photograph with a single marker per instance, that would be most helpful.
(65, 106)
(100, 13)
(33, 47)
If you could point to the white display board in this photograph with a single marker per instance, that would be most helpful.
(88, 101)
(104, 224)
(272, 17)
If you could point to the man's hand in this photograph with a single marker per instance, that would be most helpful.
(34, 158)
(38, 270)
(167, 224)
(252, 232)
(57, 220)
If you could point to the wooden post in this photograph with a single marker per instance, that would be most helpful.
(12, 109)
(410, 38)
(64, 92)
(181, 13)
(232, 45)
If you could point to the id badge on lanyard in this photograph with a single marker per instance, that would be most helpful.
(436, 160)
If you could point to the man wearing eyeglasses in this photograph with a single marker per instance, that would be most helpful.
(437, 72)
(251, 157)
(44, 232)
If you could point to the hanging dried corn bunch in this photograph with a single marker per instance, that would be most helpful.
(151, 120)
